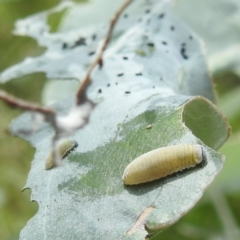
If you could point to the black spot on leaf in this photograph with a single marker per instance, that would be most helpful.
(150, 44)
(147, 11)
(183, 51)
(127, 92)
(99, 90)
(64, 46)
(120, 74)
(164, 43)
(138, 74)
(161, 15)
(108, 85)
(172, 28)
(125, 58)
(80, 42)
(91, 53)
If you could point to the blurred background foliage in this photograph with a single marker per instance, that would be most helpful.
(215, 217)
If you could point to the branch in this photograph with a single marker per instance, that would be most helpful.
(81, 97)
(81, 93)
(78, 117)
(19, 103)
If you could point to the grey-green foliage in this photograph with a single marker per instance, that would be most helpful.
(217, 22)
(151, 73)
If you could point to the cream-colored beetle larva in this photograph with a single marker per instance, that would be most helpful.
(63, 149)
(161, 162)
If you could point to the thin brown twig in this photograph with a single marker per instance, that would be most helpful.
(98, 61)
(22, 104)
(50, 114)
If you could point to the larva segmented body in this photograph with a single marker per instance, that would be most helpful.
(64, 149)
(162, 162)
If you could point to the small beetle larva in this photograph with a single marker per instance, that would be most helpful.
(161, 162)
(63, 149)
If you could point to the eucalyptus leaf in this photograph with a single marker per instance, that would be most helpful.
(217, 23)
(69, 51)
(86, 195)
(67, 55)
(154, 74)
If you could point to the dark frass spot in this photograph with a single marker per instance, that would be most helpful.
(183, 51)
(161, 78)
(108, 85)
(138, 74)
(172, 28)
(91, 53)
(161, 16)
(116, 83)
(120, 74)
(164, 43)
(64, 46)
(127, 92)
(125, 58)
(190, 37)
(153, 86)
(80, 42)
(147, 11)
(94, 36)
(99, 90)
(150, 44)
(125, 15)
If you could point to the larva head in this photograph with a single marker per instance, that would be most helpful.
(63, 149)
(66, 147)
(198, 153)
